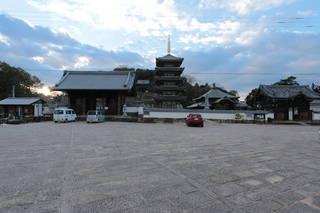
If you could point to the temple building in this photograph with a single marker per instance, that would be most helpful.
(288, 102)
(168, 84)
(91, 90)
(216, 98)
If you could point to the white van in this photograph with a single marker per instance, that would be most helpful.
(95, 116)
(64, 115)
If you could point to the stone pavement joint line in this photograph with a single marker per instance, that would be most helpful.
(118, 167)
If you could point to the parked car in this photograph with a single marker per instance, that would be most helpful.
(64, 115)
(95, 116)
(194, 120)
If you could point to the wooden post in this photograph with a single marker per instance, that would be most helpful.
(83, 105)
(119, 96)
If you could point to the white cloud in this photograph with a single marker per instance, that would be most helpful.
(269, 52)
(60, 47)
(307, 13)
(147, 17)
(39, 49)
(4, 39)
(197, 39)
(51, 53)
(38, 59)
(247, 37)
(220, 33)
(82, 62)
(244, 7)
(306, 63)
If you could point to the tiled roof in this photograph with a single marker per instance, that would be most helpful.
(19, 101)
(177, 61)
(288, 91)
(195, 105)
(216, 93)
(96, 80)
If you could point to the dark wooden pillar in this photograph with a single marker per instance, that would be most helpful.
(69, 100)
(83, 103)
(119, 96)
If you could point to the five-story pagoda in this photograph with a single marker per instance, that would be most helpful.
(168, 83)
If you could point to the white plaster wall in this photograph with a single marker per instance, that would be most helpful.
(130, 109)
(176, 115)
(315, 108)
(316, 116)
(290, 114)
(270, 115)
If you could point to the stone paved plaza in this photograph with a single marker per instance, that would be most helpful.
(130, 167)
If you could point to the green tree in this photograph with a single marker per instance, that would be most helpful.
(190, 79)
(194, 91)
(23, 81)
(123, 68)
(144, 74)
(251, 99)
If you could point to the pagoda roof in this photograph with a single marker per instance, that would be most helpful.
(169, 57)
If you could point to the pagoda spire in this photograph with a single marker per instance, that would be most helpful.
(169, 45)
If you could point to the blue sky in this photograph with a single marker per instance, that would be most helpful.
(237, 44)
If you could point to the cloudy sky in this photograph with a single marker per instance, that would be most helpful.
(237, 44)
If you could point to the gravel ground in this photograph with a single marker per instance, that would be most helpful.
(134, 167)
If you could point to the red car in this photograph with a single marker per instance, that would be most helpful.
(194, 120)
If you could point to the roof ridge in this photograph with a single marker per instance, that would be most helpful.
(282, 85)
(99, 72)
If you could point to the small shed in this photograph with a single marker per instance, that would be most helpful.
(22, 107)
